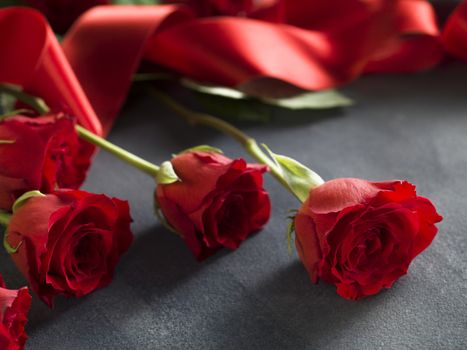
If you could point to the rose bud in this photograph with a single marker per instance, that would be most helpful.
(40, 153)
(14, 306)
(361, 236)
(68, 242)
(210, 200)
(217, 203)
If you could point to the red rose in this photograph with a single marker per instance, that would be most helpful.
(361, 236)
(40, 154)
(62, 13)
(217, 203)
(69, 241)
(14, 306)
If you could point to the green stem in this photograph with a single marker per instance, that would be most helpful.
(35, 102)
(130, 158)
(4, 218)
(249, 143)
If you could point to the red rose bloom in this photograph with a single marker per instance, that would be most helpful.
(14, 306)
(62, 13)
(69, 242)
(362, 236)
(40, 154)
(217, 203)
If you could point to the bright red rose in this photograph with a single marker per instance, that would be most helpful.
(218, 203)
(40, 154)
(14, 306)
(69, 242)
(362, 236)
(62, 13)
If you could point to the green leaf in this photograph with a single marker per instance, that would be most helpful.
(304, 100)
(312, 100)
(166, 174)
(299, 178)
(24, 198)
(202, 148)
(214, 90)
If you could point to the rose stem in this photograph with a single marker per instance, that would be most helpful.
(130, 158)
(41, 107)
(249, 143)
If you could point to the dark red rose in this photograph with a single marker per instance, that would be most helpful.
(217, 203)
(69, 241)
(62, 13)
(14, 307)
(44, 153)
(362, 236)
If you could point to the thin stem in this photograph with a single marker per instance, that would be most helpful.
(35, 102)
(249, 143)
(130, 158)
(4, 218)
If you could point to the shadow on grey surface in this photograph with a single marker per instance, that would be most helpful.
(287, 311)
(159, 261)
(155, 264)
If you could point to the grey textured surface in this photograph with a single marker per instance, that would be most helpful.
(259, 297)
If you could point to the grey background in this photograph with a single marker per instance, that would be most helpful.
(409, 127)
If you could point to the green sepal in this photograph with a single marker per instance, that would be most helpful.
(24, 198)
(166, 174)
(15, 112)
(15, 91)
(289, 235)
(202, 148)
(9, 249)
(299, 178)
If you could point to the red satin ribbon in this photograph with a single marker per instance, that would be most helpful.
(32, 58)
(308, 43)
